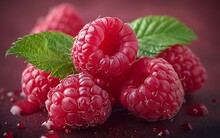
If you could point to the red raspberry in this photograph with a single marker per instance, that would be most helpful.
(104, 47)
(189, 68)
(152, 90)
(63, 18)
(77, 102)
(36, 84)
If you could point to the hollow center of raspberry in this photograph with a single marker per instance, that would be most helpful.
(110, 45)
(138, 78)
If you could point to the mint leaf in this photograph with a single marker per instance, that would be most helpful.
(156, 33)
(48, 51)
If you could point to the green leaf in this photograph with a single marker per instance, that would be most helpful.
(48, 51)
(156, 33)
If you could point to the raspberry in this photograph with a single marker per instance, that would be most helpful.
(63, 18)
(77, 102)
(104, 47)
(36, 84)
(189, 68)
(152, 90)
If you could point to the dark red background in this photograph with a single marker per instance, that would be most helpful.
(17, 18)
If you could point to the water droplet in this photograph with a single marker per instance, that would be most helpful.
(197, 110)
(15, 110)
(22, 94)
(48, 124)
(186, 126)
(67, 131)
(24, 108)
(20, 125)
(161, 131)
(8, 134)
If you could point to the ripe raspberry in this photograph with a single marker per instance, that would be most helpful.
(36, 84)
(77, 102)
(104, 47)
(63, 18)
(189, 68)
(152, 90)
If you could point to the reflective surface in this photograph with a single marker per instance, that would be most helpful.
(19, 17)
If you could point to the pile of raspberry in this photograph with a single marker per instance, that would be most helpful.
(110, 74)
